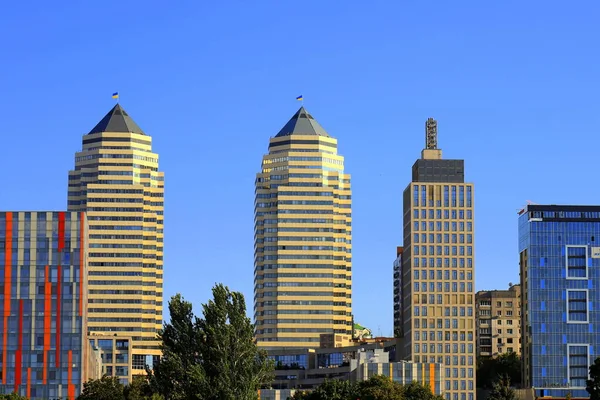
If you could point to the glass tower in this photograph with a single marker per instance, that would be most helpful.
(43, 269)
(560, 273)
(117, 182)
(437, 274)
(302, 265)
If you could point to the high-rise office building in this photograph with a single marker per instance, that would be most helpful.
(43, 269)
(560, 276)
(117, 182)
(303, 231)
(498, 314)
(438, 268)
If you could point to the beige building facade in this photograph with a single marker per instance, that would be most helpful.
(498, 321)
(303, 231)
(438, 269)
(117, 182)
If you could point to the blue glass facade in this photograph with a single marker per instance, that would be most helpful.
(559, 249)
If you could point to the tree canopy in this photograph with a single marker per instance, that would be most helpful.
(490, 370)
(12, 396)
(210, 358)
(106, 388)
(501, 389)
(593, 384)
(376, 388)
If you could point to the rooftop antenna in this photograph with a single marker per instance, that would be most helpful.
(431, 132)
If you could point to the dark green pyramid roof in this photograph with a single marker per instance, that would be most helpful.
(302, 123)
(117, 120)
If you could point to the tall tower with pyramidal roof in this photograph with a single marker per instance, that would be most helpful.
(117, 182)
(303, 232)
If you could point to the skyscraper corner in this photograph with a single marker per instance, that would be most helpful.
(303, 231)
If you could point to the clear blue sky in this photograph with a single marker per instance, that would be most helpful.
(513, 84)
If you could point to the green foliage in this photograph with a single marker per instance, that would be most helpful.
(210, 358)
(489, 370)
(330, 390)
(138, 389)
(12, 396)
(593, 384)
(417, 391)
(106, 388)
(380, 387)
(501, 390)
(376, 388)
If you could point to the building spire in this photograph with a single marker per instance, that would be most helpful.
(431, 133)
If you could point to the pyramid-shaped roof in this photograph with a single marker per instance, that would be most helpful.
(117, 120)
(302, 123)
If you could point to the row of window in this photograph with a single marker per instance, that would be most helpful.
(438, 213)
(447, 262)
(437, 274)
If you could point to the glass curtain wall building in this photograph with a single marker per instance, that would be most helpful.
(438, 275)
(43, 269)
(559, 249)
(303, 231)
(117, 182)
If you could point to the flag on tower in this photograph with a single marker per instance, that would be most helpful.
(115, 95)
(300, 98)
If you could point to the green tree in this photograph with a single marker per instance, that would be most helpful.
(593, 384)
(106, 388)
(12, 396)
(138, 389)
(489, 370)
(417, 391)
(210, 358)
(334, 389)
(380, 387)
(501, 390)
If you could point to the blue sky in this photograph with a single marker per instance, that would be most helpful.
(513, 84)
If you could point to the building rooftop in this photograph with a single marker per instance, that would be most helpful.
(117, 120)
(302, 123)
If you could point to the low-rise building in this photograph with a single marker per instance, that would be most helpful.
(498, 321)
(305, 369)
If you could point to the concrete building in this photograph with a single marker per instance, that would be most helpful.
(498, 321)
(44, 270)
(305, 369)
(560, 281)
(303, 231)
(438, 298)
(115, 355)
(117, 182)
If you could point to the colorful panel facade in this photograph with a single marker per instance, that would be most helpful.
(560, 273)
(43, 265)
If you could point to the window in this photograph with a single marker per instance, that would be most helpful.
(498, 304)
(578, 362)
(509, 304)
(576, 262)
(577, 306)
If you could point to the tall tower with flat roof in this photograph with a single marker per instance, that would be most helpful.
(437, 276)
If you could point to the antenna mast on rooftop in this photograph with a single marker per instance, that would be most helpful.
(431, 132)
